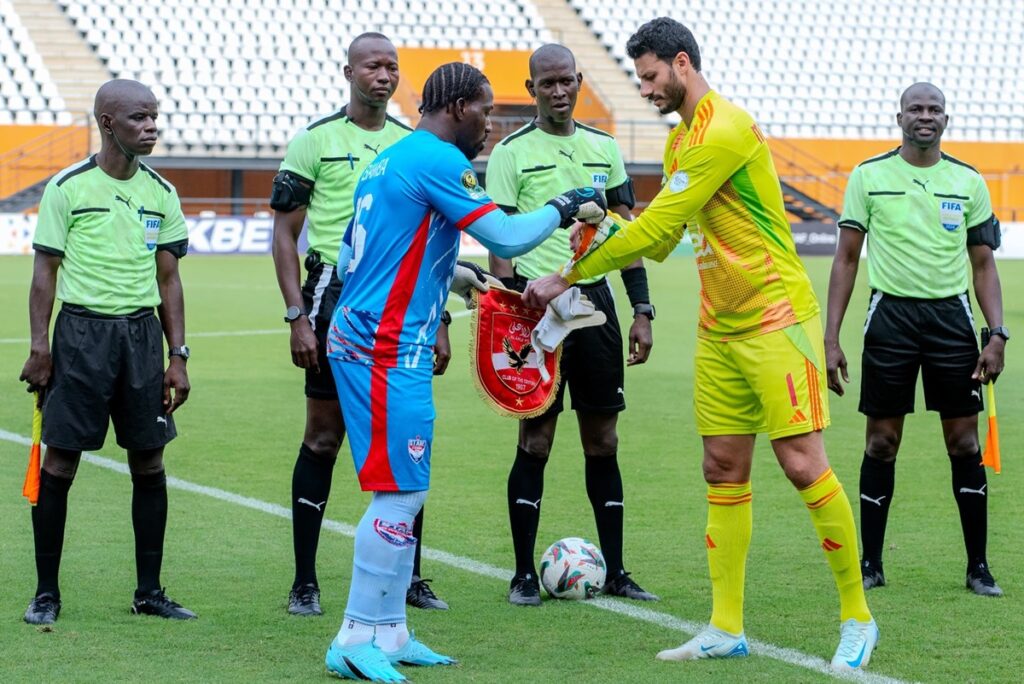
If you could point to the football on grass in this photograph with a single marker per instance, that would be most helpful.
(572, 568)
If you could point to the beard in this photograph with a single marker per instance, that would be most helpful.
(675, 93)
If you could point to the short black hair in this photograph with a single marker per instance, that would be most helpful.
(666, 38)
(448, 83)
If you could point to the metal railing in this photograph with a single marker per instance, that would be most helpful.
(43, 156)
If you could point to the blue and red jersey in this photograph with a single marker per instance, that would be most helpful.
(410, 206)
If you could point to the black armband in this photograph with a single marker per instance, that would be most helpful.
(179, 249)
(290, 192)
(635, 280)
(987, 233)
(622, 194)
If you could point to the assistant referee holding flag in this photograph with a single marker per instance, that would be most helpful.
(107, 245)
(925, 215)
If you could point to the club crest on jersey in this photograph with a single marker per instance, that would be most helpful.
(951, 214)
(417, 447)
(599, 180)
(679, 181)
(472, 185)
(152, 228)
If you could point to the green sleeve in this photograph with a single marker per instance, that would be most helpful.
(54, 221)
(981, 205)
(302, 157)
(856, 213)
(502, 179)
(660, 227)
(173, 230)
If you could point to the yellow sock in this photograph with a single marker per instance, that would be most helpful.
(833, 521)
(728, 538)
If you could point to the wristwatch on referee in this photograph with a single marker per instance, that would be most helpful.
(292, 314)
(643, 310)
(183, 351)
(1002, 331)
(446, 317)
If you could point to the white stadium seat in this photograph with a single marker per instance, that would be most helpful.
(858, 49)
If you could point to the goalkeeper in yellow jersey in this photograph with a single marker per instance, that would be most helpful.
(760, 362)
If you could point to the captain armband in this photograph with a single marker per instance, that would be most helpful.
(622, 194)
(290, 192)
(987, 233)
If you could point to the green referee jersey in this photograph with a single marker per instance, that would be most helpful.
(331, 154)
(108, 232)
(529, 167)
(916, 220)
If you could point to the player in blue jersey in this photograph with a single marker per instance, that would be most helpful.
(401, 246)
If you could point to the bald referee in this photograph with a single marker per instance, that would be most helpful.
(926, 216)
(551, 154)
(109, 237)
(314, 188)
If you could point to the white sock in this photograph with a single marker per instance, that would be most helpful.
(391, 637)
(353, 633)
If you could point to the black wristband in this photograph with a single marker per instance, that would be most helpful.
(446, 317)
(635, 280)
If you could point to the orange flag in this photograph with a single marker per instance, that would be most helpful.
(990, 457)
(30, 490)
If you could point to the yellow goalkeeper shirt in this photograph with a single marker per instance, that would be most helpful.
(721, 184)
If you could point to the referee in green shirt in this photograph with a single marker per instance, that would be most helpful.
(926, 216)
(314, 188)
(546, 157)
(107, 244)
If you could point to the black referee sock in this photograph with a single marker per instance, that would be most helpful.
(525, 490)
(604, 488)
(877, 482)
(48, 518)
(149, 519)
(417, 531)
(311, 485)
(970, 489)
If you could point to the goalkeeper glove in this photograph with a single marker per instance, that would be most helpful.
(581, 204)
(468, 277)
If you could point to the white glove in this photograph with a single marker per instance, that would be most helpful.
(569, 311)
(468, 277)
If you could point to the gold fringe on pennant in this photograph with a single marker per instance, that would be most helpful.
(475, 372)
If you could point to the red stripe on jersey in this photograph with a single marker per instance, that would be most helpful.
(385, 348)
(376, 471)
(475, 214)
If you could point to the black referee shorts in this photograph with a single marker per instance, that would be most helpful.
(902, 335)
(106, 368)
(319, 297)
(592, 364)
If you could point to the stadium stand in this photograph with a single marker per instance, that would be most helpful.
(27, 93)
(238, 77)
(835, 68)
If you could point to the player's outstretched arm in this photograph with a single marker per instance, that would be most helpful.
(509, 236)
(840, 286)
(656, 232)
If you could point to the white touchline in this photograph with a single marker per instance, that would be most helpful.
(223, 333)
(786, 655)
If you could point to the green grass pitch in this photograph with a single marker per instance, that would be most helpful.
(241, 428)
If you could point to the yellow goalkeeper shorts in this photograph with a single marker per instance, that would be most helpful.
(773, 383)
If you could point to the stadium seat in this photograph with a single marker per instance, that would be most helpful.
(964, 48)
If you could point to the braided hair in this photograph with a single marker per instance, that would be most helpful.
(448, 83)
